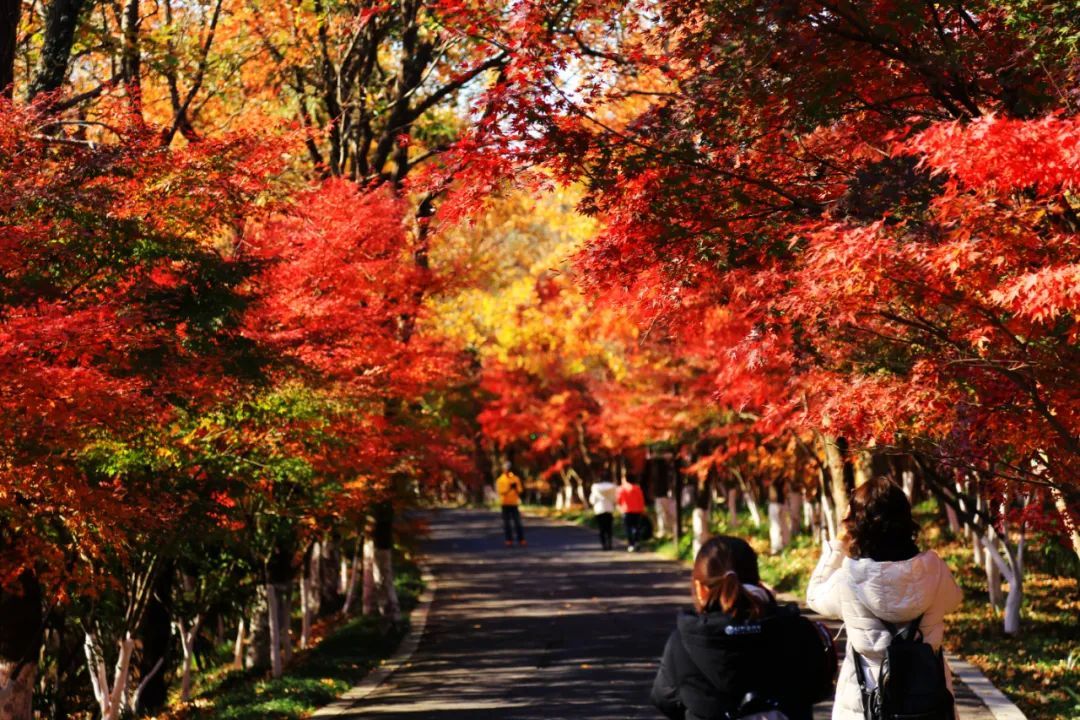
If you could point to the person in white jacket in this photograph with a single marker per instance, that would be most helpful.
(873, 573)
(602, 499)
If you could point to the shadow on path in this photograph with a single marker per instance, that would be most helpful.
(558, 629)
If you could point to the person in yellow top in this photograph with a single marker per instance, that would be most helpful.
(509, 488)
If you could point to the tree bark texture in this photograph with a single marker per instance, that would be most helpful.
(156, 636)
(20, 642)
(61, 21)
(10, 12)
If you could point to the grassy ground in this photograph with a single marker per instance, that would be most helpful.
(1039, 670)
(316, 676)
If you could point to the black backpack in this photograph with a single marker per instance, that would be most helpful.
(798, 660)
(911, 683)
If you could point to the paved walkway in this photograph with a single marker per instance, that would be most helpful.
(558, 630)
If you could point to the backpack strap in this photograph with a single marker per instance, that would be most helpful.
(860, 674)
(913, 629)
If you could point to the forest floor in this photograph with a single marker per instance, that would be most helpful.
(1038, 670)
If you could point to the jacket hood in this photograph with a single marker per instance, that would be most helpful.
(897, 591)
(715, 645)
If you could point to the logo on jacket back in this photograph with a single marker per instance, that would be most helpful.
(745, 629)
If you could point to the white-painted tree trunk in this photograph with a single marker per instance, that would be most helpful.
(110, 700)
(665, 516)
(907, 482)
(343, 574)
(1072, 523)
(700, 523)
(368, 595)
(752, 506)
(977, 555)
(579, 490)
(954, 520)
(285, 621)
(751, 500)
(350, 587)
(17, 690)
(733, 508)
(187, 646)
(1011, 566)
(960, 494)
(274, 617)
(993, 581)
(830, 519)
(808, 519)
(776, 528)
(305, 609)
(238, 647)
(568, 501)
(1013, 602)
(384, 584)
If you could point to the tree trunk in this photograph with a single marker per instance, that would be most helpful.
(907, 479)
(305, 608)
(794, 512)
(354, 575)
(284, 597)
(384, 585)
(10, 11)
(665, 516)
(750, 498)
(61, 21)
(327, 579)
(993, 581)
(834, 461)
(700, 525)
(977, 555)
(953, 519)
(187, 643)
(313, 568)
(1072, 523)
(156, 635)
(1013, 602)
(382, 536)
(20, 643)
(752, 506)
(130, 56)
(733, 510)
(368, 594)
(110, 700)
(1010, 564)
(776, 528)
(274, 622)
(17, 693)
(238, 647)
(257, 654)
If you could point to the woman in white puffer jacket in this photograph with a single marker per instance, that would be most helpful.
(875, 572)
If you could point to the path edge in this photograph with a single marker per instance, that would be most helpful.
(405, 650)
(999, 705)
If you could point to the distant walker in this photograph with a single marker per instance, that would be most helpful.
(509, 488)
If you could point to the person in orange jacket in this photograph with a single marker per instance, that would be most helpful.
(509, 488)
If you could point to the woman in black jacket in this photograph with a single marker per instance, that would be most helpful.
(730, 656)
